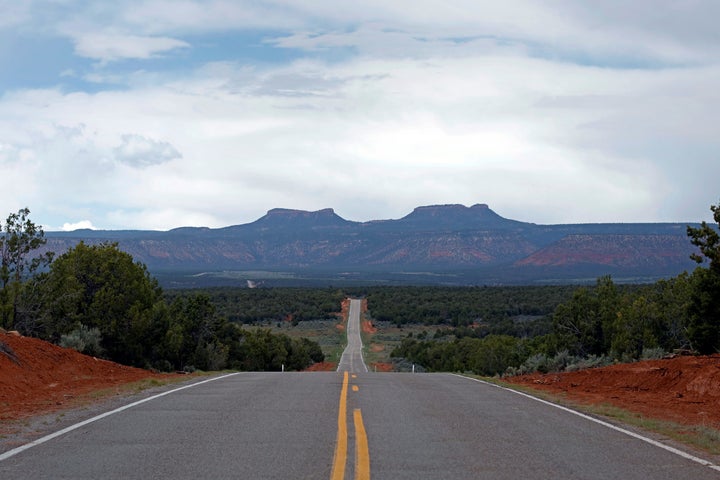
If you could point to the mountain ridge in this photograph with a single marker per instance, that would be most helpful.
(471, 244)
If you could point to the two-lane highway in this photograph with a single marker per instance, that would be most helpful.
(351, 436)
(347, 425)
(352, 357)
(281, 426)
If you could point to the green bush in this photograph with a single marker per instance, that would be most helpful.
(84, 340)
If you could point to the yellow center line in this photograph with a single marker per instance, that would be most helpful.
(338, 470)
(362, 453)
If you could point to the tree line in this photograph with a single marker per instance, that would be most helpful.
(269, 305)
(598, 324)
(463, 306)
(98, 300)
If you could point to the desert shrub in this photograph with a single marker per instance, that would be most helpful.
(652, 353)
(401, 364)
(534, 363)
(84, 340)
(592, 361)
(162, 365)
(560, 362)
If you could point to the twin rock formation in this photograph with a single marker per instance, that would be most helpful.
(474, 243)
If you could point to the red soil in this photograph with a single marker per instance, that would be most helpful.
(381, 367)
(322, 367)
(367, 327)
(684, 389)
(343, 315)
(39, 377)
(344, 310)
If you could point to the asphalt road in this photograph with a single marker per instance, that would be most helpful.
(285, 426)
(346, 425)
(352, 358)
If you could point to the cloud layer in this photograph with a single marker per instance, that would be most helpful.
(162, 114)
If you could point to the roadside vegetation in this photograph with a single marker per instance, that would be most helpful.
(593, 326)
(98, 300)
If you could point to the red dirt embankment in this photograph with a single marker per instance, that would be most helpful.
(39, 377)
(343, 315)
(322, 367)
(381, 367)
(684, 389)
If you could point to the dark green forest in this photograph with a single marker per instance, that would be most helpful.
(463, 306)
(592, 326)
(259, 305)
(98, 300)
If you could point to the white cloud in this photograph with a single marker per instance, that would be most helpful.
(140, 151)
(111, 47)
(160, 16)
(82, 224)
(543, 115)
(393, 134)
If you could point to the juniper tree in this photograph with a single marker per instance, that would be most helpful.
(704, 311)
(19, 238)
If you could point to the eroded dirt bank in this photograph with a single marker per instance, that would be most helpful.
(683, 389)
(39, 377)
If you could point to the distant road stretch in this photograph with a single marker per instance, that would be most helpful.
(346, 425)
(352, 358)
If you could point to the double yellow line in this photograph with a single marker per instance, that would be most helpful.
(362, 453)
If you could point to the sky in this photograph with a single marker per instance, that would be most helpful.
(159, 114)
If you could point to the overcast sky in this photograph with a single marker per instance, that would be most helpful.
(169, 113)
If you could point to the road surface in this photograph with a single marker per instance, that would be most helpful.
(352, 358)
(346, 425)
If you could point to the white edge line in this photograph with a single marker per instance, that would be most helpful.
(65, 430)
(676, 451)
(362, 355)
